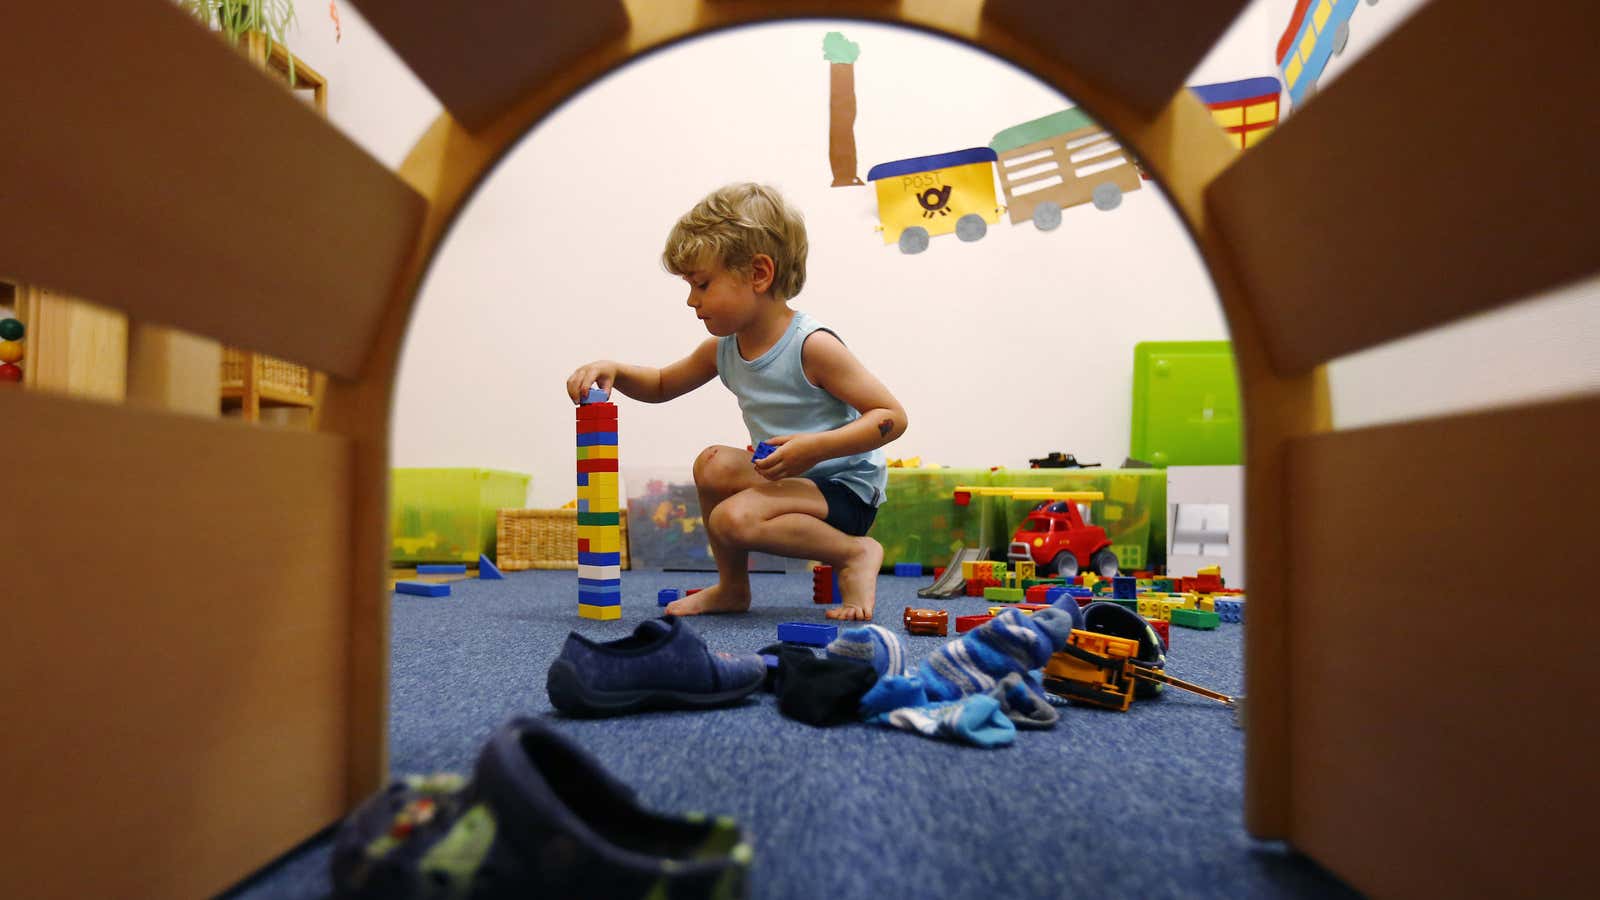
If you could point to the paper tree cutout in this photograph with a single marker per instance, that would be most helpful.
(841, 56)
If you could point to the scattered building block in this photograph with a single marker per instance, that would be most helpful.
(1003, 594)
(600, 613)
(1163, 628)
(965, 624)
(908, 570)
(808, 633)
(667, 595)
(825, 585)
(1124, 587)
(763, 450)
(1194, 618)
(422, 588)
(1230, 610)
(442, 569)
(487, 570)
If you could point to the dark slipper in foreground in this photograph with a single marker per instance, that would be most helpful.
(539, 818)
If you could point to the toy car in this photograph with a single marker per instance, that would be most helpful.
(1058, 541)
(934, 622)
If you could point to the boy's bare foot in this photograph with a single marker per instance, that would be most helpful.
(715, 599)
(858, 582)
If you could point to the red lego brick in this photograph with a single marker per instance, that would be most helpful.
(597, 426)
(597, 411)
(583, 545)
(1162, 629)
(965, 624)
(597, 465)
(1036, 593)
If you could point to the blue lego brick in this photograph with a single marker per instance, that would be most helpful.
(598, 439)
(442, 569)
(596, 599)
(599, 583)
(488, 571)
(600, 590)
(595, 395)
(808, 633)
(1230, 610)
(667, 595)
(583, 479)
(1124, 587)
(422, 589)
(1054, 593)
(600, 559)
(908, 570)
(763, 450)
(1076, 591)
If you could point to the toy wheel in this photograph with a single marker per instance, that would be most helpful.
(1104, 563)
(1341, 37)
(1065, 565)
(1107, 196)
(1046, 216)
(914, 239)
(971, 227)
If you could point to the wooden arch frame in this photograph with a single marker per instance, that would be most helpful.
(260, 713)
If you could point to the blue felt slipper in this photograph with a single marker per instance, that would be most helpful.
(664, 664)
(539, 818)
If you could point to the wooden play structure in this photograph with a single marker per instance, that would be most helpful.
(196, 662)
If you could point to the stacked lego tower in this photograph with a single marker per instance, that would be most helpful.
(599, 522)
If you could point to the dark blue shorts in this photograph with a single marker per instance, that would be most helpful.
(846, 511)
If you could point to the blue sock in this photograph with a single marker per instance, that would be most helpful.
(978, 721)
(871, 644)
(976, 662)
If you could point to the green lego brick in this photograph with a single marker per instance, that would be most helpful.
(1003, 595)
(605, 518)
(1130, 605)
(1031, 582)
(1195, 618)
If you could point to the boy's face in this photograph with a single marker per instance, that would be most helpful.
(725, 301)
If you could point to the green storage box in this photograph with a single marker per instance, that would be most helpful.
(1185, 404)
(448, 515)
(920, 523)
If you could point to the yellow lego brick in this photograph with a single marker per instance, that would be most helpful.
(611, 543)
(1191, 600)
(1025, 569)
(608, 451)
(1150, 609)
(1207, 603)
(997, 610)
(1211, 570)
(602, 613)
(1090, 579)
(603, 479)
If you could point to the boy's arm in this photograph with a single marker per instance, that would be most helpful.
(647, 383)
(836, 370)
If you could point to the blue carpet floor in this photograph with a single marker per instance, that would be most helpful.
(1145, 803)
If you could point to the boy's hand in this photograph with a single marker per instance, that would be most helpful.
(600, 373)
(795, 456)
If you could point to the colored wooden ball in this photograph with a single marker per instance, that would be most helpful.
(11, 330)
(9, 372)
(10, 351)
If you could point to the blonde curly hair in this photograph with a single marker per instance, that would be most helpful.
(731, 226)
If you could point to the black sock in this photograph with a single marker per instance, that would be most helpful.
(821, 691)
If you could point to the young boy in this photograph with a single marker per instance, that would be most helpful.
(742, 250)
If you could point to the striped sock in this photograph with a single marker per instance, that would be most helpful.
(872, 644)
(976, 662)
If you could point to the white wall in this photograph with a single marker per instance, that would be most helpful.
(556, 260)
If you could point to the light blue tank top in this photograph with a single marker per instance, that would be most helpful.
(777, 398)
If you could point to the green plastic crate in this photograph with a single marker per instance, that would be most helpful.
(1186, 408)
(448, 515)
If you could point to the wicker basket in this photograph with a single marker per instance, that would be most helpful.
(276, 374)
(543, 539)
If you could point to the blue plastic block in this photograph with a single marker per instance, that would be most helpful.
(598, 439)
(1124, 587)
(808, 633)
(596, 395)
(1076, 591)
(600, 559)
(667, 595)
(600, 583)
(908, 570)
(488, 571)
(1054, 593)
(422, 589)
(1230, 610)
(442, 569)
(596, 599)
(763, 450)
(583, 479)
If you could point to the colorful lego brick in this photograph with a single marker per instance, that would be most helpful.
(965, 624)
(1003, 594)
(599, 613)
(825, 585)
(597, 439)
(596, 426)
(1023, 569)
(1162, 628)
(585, 570)
(1230, 610)
(599, 597)
(1039, 593)
(1151, 609)
(667, 595)
(1195, 618)
(808, 633)
(1129, 605)
(442, 569)
(762, 451)
(488, 571)
(1123, 587)
(1027, 609)
(1089, 579)
(608, 451)
(422, 589)
(908, 570)
(597, 465)
(583, 479)
(601, 584)
(931, 622)
(607, 519)
(600, 559)
(1206, 603)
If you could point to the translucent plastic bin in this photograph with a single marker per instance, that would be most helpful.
(448, 515)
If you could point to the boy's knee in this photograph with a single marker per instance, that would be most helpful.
(732, 520)
(715, 467)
